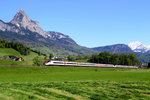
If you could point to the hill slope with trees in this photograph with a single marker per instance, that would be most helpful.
(115, 58)
(18, 47)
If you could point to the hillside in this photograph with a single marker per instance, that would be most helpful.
(28, 59)
(5, 52)
(18, 47)
(9, 51)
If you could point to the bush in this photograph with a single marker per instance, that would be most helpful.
(38, 61)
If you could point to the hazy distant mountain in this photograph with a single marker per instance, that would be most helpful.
(123, 48)
(139, 47)
(140, 50)
(26, 31)
(117, 48)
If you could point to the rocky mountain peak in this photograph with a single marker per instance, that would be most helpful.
(21, 11)
(20, 18)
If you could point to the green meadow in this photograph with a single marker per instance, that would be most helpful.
(28, 60)
(73, 83)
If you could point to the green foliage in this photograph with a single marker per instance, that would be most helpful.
(82, 60)
(70, 58)
(18, 47)
(38, 61)
(51, 56)
(29, 58)
(114, 58)
(45, 57)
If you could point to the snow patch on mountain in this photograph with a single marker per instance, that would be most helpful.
(139, 47)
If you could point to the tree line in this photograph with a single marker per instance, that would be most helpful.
(114, 58)
(23, 50)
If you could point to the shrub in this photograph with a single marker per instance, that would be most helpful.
(38, 61)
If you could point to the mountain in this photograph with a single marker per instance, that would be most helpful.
(117, 48)
(139, 47)
(24, 30)
(141, 51)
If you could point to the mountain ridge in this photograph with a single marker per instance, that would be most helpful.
(24, 30)
(116, 48)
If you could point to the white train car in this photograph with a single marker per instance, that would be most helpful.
(67, 63)
(125, 66)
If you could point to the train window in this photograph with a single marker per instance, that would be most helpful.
(85, 64)
(58, 63)
(71, 63)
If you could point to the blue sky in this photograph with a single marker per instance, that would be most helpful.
(90, 23)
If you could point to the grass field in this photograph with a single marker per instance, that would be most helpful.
(73, 83)
(8, 51)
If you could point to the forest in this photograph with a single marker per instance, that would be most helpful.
(114, 58)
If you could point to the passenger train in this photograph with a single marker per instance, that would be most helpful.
(67, 63)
